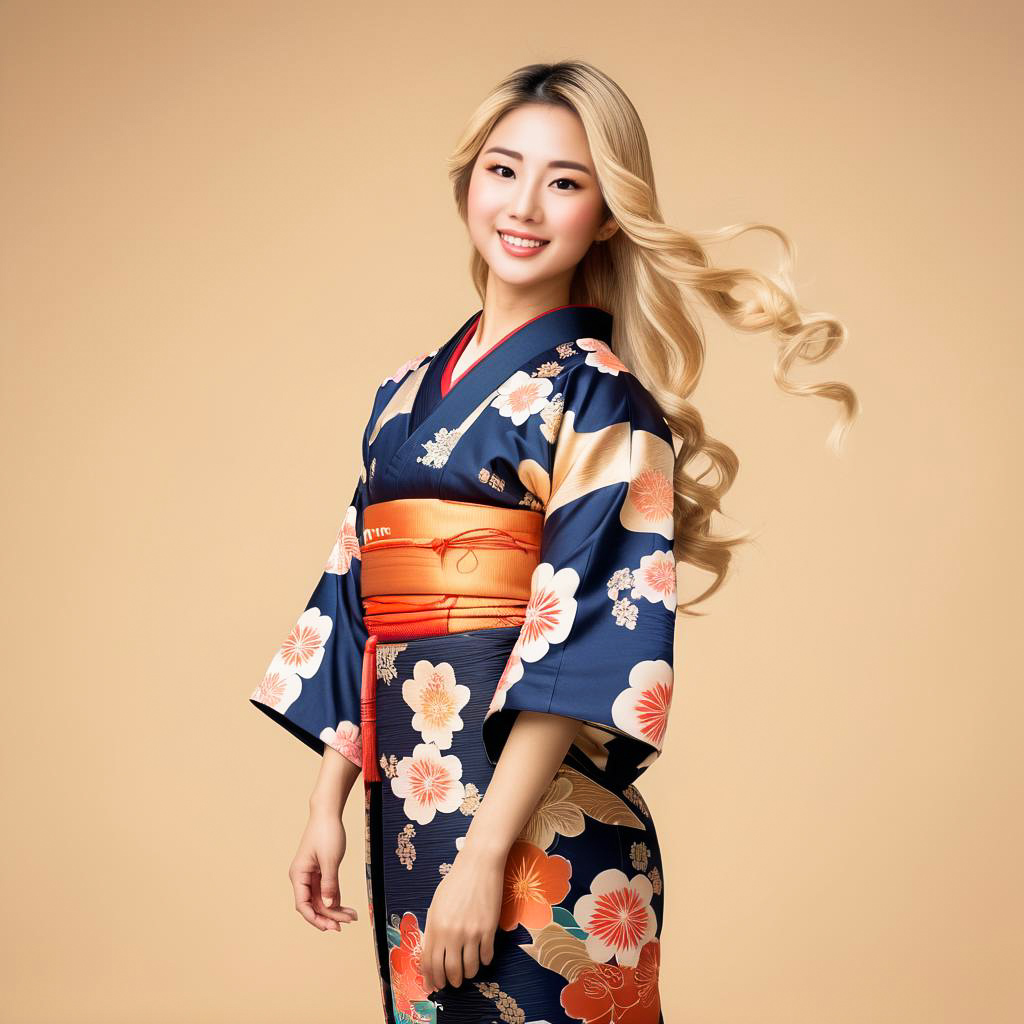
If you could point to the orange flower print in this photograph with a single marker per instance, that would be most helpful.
(346, 740)
(522, 395)
(610, 994)
(602, 356)
(550, 612)
(652, 494)
(407, 983)
(655, 580)
(642, 708)
(429, 783)
(617, 916)
(534, 882)
(346, 547)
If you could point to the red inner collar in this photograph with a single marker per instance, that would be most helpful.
(446, 377)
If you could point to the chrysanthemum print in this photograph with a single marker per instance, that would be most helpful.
(642, 709)
(617, 916)
(436, 698)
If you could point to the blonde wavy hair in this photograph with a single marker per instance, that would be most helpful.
(646, 274)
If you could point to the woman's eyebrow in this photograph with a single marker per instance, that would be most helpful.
(570, 164)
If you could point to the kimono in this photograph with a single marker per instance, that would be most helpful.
(550, 420)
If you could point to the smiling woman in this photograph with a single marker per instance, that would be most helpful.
(491, 638)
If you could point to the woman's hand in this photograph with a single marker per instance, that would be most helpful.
(459, 932)
(314, 872)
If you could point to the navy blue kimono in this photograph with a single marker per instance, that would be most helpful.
(549, 419)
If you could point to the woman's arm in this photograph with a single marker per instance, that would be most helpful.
(314, 869)
(466, 906)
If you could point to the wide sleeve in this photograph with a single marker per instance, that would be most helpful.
(597, 641)
(313, 685)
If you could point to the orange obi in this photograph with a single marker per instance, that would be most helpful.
(429, 567)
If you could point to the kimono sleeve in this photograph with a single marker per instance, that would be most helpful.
(313, 684)
(597, 641)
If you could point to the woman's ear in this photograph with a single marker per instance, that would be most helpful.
(606, 230)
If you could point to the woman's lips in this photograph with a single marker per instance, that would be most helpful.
(521, 250)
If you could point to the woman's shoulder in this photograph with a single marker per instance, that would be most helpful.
(601, 389)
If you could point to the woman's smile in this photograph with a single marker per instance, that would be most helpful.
(518, 245)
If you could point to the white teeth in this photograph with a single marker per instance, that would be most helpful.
(524, 243)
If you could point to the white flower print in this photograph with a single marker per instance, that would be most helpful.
(512, 673)
(346, 546)
(602, 356)
(655, 580)
(303, 650)
(642, 708)
(346, 740)
(429, 782)
(617, 915)
(411, 364)
(278, 689)
(522, 395)
(550, 612)
(436, 698)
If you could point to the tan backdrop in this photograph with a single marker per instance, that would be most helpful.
(223, 224)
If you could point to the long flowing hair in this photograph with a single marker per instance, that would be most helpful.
(647, 275)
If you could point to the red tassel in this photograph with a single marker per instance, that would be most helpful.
(368, 707)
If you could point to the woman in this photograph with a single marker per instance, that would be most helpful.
(491, 639)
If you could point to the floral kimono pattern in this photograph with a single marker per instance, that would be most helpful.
(549, 419)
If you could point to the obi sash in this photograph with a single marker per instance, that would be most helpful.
(432, 567)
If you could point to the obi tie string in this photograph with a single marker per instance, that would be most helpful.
(485, 537)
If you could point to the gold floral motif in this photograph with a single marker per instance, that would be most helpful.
(635, 797)
(548, 369)
(531, 501)
(386, 654)
(487, 477)
(389, 765)
(405, 850)
(551, 414)
(508, 1008)
(472, 801)
(373, 466)
(444, 868)
(638, 856)
(655, 876)
(566, 349)
(438, 450)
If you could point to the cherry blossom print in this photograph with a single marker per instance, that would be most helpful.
(346, 546)
(511, 675)
(436, 698)
(642, 709)
(407, 984)
(346, 739)
(429, 782)
(617, 916)
(602, 356)
(651, 493)
(550, 612)
(411, 364)
(655, 580)
(522, 395)
(278, 690)
(303, 650)
(650, 498)
(534, 882)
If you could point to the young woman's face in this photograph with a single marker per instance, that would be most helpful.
(534, 176)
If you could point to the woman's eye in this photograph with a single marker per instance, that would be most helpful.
(511, 173)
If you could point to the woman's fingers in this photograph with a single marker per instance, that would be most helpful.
(471, 958)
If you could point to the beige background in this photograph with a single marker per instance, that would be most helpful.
(224, 224)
